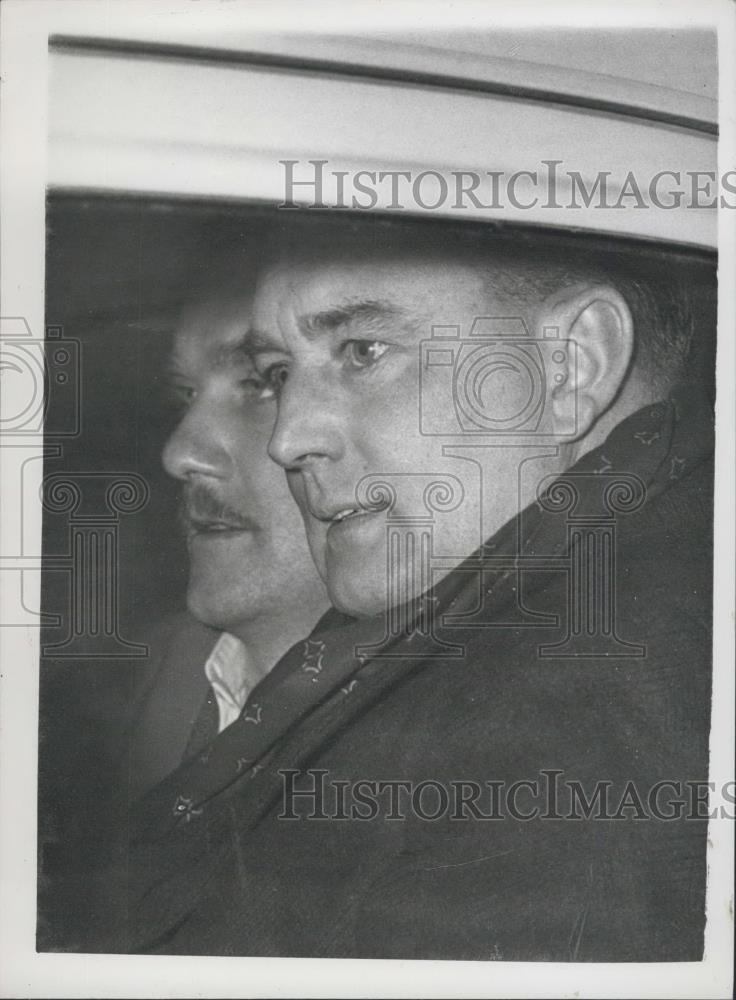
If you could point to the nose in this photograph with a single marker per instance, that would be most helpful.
(310, 426)
(196, 448)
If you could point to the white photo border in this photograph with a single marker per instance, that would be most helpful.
(26, 25)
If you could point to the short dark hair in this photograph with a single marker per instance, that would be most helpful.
(526, 264)
(656, 291)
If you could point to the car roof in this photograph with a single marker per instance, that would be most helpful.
(636, 101)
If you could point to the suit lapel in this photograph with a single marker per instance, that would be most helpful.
(170, 703)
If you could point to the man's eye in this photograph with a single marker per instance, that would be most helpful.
(255, 387)
(272, 380)
(251, 385)
(364, 353)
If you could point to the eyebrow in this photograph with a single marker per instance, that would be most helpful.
(254, 341)
(220, 359)
(230, 355)
(367, 313)
(172, 366)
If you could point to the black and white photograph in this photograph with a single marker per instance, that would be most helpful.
(367, 450)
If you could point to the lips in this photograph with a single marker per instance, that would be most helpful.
(347, 522)
(216, 527)
(338, 515)
(213, 527)
(344, 515)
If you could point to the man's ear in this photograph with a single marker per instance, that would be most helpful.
(597, 320)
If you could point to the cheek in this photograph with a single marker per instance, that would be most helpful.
(249, 435)
(387, 428)
(258, 425)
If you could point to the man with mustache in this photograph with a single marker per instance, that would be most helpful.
(503, 457)
(253, 590)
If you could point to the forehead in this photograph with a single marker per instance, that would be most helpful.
(420, 286)
(213, 327)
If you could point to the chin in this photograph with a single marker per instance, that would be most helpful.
(349, 597)
(215, 608)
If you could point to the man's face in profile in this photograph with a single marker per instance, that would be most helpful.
(340, 343)
(248, 553)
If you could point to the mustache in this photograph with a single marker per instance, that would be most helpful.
(199, 502)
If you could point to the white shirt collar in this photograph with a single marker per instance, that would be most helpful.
(232, 675)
